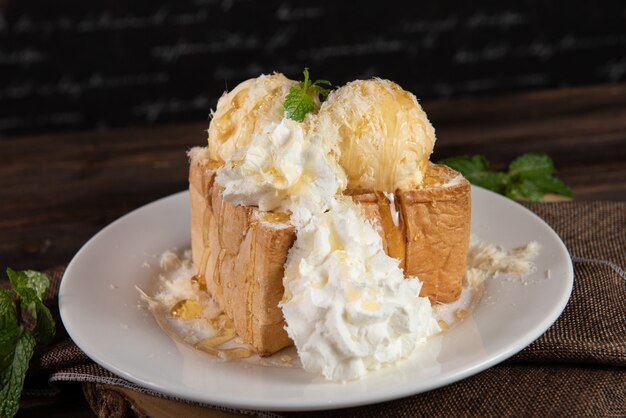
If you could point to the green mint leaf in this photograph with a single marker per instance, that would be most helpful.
(8, 310)
(9, 328)
(319, 90)
(491, 180)
(29, 279)
(45, 329)
(535, 188)
(12, 377)
(298, 104)
(476, 170)
(17, 343)
(529, 177)
(549, 184)
(530, 165)
(302, 100)
(524, 190)
(532, 178)
(31, 287)
(8, 339)
(304, 85)
(466, 164)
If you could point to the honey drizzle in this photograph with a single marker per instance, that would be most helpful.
(226, 333)
(384, 152)
(394, 234)
(443, 325)
(192, 309)
(431, 181)
(275, 217)
(217, 277)
(462, 313)
(221, 223)
(187, 309)
(200, 276)
(218, 265)
(234, 353)
(250, 276)
(218, 339)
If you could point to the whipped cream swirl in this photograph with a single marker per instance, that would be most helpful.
(280, 168)
(347, 305)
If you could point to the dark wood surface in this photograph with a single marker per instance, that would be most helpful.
(56, 191)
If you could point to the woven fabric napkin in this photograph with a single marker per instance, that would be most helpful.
(578, 367)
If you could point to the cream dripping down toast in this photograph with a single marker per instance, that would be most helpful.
(239, 251)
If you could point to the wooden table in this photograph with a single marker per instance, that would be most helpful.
(58, 190)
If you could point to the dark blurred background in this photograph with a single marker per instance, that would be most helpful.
(69, 64)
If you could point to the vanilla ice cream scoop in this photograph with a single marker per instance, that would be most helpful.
(246, 111)
(379, 133)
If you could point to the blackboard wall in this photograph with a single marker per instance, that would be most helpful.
(70, 64)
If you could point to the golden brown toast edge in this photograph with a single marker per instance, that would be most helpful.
(432, 236)
(241, 259)
(437, 231)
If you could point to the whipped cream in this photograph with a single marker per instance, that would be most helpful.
(347, 305)
(279, 168)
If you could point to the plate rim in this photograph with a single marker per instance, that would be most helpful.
(287, 405)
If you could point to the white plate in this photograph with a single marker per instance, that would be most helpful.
(99, 308)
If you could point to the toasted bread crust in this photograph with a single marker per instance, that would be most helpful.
(241, 253)
(437, 222)
(241, 259)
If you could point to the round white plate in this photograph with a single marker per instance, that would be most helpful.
(99, 308)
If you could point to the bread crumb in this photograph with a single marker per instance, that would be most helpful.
(487, 260)
(462, 313)
(169, 261)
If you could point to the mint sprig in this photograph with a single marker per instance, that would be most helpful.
(17, 340)
(299, 100)
(529, 177)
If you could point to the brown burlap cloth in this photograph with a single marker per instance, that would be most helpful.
(577, 368)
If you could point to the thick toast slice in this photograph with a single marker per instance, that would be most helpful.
(437, 227)
(239, 257)
(239, 252)
(430, 232)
